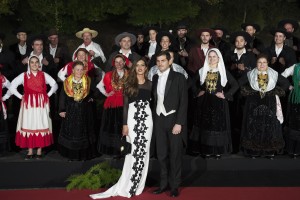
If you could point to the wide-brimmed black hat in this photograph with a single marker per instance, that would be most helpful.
(20, 29)
(119, 37)
(219, 27)
(201, 30)
(294, 23)
(165, 33)
(244, 34)
(181, 25)
(147, 29)
(281, 30)
(2, 36)
(256, 26)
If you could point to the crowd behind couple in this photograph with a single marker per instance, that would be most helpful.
(188, 95)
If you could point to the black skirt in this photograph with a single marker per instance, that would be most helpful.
(109, 140)
(77, 137)
(261, 130)
(212, 125)
(292, 131)
(4, 135)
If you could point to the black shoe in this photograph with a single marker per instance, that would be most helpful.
(294, 156)
(39, 157)
(159, 191)
(174, 193)
(254, 156)
(207, 156)
(271, 157)
(29, 157)
(218, 157)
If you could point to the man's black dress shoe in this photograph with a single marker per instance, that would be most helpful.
(159, 191)
(174, 193)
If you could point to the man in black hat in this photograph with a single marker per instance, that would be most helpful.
(219, 40)
(291, 26)
(59, 51)
(240, 61)
(183, 43)
(20, 49)
(166, 41)
(125, 41)
(280, 55)
(140, 47)
(256, 45)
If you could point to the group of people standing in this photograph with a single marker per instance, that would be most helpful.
(164, 95)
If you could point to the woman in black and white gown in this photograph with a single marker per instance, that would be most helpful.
(137, 127)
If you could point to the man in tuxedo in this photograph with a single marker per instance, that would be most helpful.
(170, 108)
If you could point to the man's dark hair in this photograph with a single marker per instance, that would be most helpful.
(164, 53)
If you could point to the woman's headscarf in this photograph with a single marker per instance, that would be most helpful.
(221, 68)
(28, 65)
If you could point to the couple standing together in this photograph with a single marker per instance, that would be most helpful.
(169, 93)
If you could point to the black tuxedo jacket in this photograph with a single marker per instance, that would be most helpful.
(176, 96)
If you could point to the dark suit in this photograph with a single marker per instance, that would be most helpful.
(169, 145)
(7, 63)
(19, 67)
(62, 52)
(287, 53)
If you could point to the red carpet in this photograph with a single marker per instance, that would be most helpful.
(187, 193)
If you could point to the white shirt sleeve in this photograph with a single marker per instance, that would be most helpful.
(8, 93)
(52, 83)
(15, 83)
(63, 72)
(288, 71)
(101, 87)
(98, 52)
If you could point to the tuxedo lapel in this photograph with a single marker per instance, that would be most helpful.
(169, 82)
(155, 80)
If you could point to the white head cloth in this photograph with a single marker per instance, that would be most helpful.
(221, 68)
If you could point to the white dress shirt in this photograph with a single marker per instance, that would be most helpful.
(161, 86)
(278, 50)
(152, 48)
(125, 54)
(52, 50)
(240, 55)
(22, 49)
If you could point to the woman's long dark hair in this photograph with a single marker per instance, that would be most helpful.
(132, 86)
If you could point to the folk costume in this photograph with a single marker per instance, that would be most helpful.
(111, 125)
(212, 124)
(261, 129)
(34, 127)
(292, 131)
(77, 136)
(4, 135)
